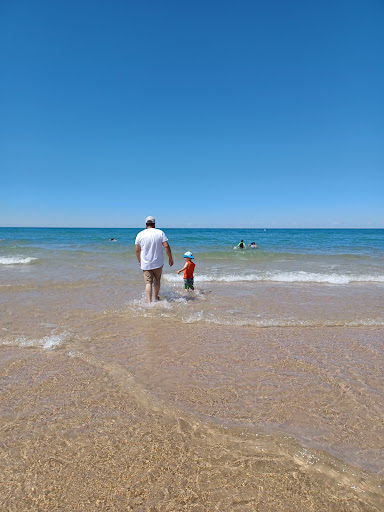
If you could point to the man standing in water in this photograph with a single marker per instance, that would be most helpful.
(149, 251)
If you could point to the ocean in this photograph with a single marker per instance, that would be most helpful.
(261, 390)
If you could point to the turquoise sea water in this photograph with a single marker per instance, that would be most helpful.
(357, 242)
(294, 277)
(283, 255)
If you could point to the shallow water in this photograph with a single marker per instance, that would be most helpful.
(261, 391)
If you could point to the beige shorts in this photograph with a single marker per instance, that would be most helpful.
(152, 276)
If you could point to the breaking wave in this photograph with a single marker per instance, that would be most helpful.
(15, 260)
(284, 277)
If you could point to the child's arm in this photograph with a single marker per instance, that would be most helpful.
(185, 266)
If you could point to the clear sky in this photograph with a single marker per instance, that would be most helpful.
(202, 113)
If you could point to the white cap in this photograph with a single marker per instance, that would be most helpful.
(188, 254)
(150, 220)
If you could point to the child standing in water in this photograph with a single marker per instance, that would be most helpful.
(188, 268)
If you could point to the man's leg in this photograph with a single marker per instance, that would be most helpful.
(156, 289)
(156, 282)
(148, 279)
(148, 292)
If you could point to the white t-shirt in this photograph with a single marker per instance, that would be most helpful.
(151, 243)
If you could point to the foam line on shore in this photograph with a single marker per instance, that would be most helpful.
(47, 342)
(176, 307)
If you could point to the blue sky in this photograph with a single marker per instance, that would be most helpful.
(203, 114)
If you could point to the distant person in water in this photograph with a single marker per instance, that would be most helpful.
(252, 245)
(241, 245)
(112, 239)
(149, 252)
(188, 268)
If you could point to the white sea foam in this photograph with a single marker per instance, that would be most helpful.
(368, 322)
(279, 322)
(284, 277)
(194, 317)
(292, 322)
(47, 342)
(16, 260)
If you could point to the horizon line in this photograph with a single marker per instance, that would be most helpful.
(180, 227)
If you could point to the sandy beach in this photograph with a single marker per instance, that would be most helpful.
(160, 424)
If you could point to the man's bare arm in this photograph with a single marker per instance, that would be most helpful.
(169, 253)
(138, 253)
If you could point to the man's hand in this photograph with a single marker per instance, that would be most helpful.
(169, 253)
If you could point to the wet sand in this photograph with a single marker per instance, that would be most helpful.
(154, 415)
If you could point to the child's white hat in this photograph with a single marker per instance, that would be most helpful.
(188, 254)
